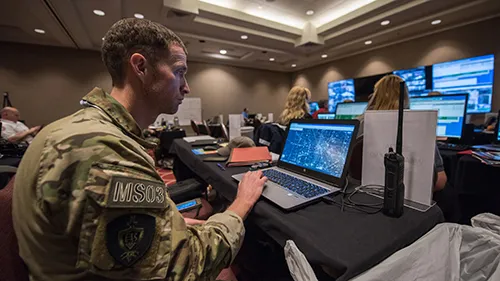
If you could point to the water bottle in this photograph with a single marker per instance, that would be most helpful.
(176, 121)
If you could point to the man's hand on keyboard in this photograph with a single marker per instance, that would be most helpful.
(249, 191)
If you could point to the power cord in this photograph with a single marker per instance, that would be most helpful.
(367, 208)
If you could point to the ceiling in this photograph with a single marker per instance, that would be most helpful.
(280, 34)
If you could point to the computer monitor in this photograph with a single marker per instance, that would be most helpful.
(340, 91)
(350, 110)
(473, 76)
(497, 132)
(415, 79)
(451, 112)
(313, 107)
(326, 116)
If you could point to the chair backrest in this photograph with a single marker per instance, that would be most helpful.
(207, 128)
(356, 163)
(225, 134)
(270, 135)
(195, 127)
(11, 265)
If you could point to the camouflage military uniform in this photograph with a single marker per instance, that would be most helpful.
(89, 205)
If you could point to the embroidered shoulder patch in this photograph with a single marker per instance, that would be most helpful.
(125, 192)
(129, 237)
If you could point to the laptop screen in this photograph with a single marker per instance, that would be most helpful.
(318, 147)
(326, 116)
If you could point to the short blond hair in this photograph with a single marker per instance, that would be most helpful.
(296, 105)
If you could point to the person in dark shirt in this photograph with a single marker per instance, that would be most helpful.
(296, 105)
(323, 108)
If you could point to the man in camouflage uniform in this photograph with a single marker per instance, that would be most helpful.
(88, 203)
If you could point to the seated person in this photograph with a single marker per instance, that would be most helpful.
(323, 108)
(386, 97)
(245, 113)
(13, 130)
(296, 105)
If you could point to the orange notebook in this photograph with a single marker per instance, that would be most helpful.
(248, 156)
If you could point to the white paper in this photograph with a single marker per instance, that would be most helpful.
(270, 117)
(195, 138)
(234, 125)
(419, 142)
(190, 109)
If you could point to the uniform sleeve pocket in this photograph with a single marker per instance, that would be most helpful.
(124, 233)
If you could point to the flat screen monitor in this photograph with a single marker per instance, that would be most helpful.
(473, 76)
(313, 107)
(497, 132)
(415, 79)
(451, 112)
(340, 91)
(364, 86)
(350, 110)
(326, 116)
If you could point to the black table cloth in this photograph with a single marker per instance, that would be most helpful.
(345, 243)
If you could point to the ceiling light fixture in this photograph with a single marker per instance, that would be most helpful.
(294, 65)
(99, 13)
(434, 22)
(102, 38)
(139, 16)
(244, 37)
(310, 12)
(386, 22)
(223, 52)
(40, 31)
(324, 56)
(271, 59)
(368, 42)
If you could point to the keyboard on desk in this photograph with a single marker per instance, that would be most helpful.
(452, 146)
(291, 183)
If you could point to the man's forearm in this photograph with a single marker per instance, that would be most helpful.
(19, 136)
(240, 208)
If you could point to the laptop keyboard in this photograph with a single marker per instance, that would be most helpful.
(304, 188)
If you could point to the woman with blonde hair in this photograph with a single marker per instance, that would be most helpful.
(386, 97)
(296, 105)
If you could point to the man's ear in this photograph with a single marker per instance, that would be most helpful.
(138, 63)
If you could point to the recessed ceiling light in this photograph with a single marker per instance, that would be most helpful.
(294, 65)
(324, 56)
(99, 12)
(368, 42)
(244, 37)
(139, 16)
(386, 22)
(310, 12)
(271, 59)
(260, 7)
(223, 52)
(434, 22)
(40, 31)
(102, 38)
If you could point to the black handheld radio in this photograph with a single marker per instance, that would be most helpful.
(394, 162)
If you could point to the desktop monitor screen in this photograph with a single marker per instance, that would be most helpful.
(451, 112)
(319, 147)
(326, 116)
(313, 107)
(498, 128)
(340, 91)
(350, 110)
(473, 76)
(415, 80)
(364, 86)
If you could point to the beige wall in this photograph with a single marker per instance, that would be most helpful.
(472, 40)
(46, 83)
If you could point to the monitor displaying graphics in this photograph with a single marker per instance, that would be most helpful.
(319, 147)
(350, 110)
(415, 80)
(326, 116)
(473, 76)
(340, 91)
(313, 107)
(451, 112)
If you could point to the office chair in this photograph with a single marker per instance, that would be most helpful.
(195, 128)
(355, 169)
(225, 134)
(207, 128)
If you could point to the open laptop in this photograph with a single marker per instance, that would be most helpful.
(496, 141)
(313, 162)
